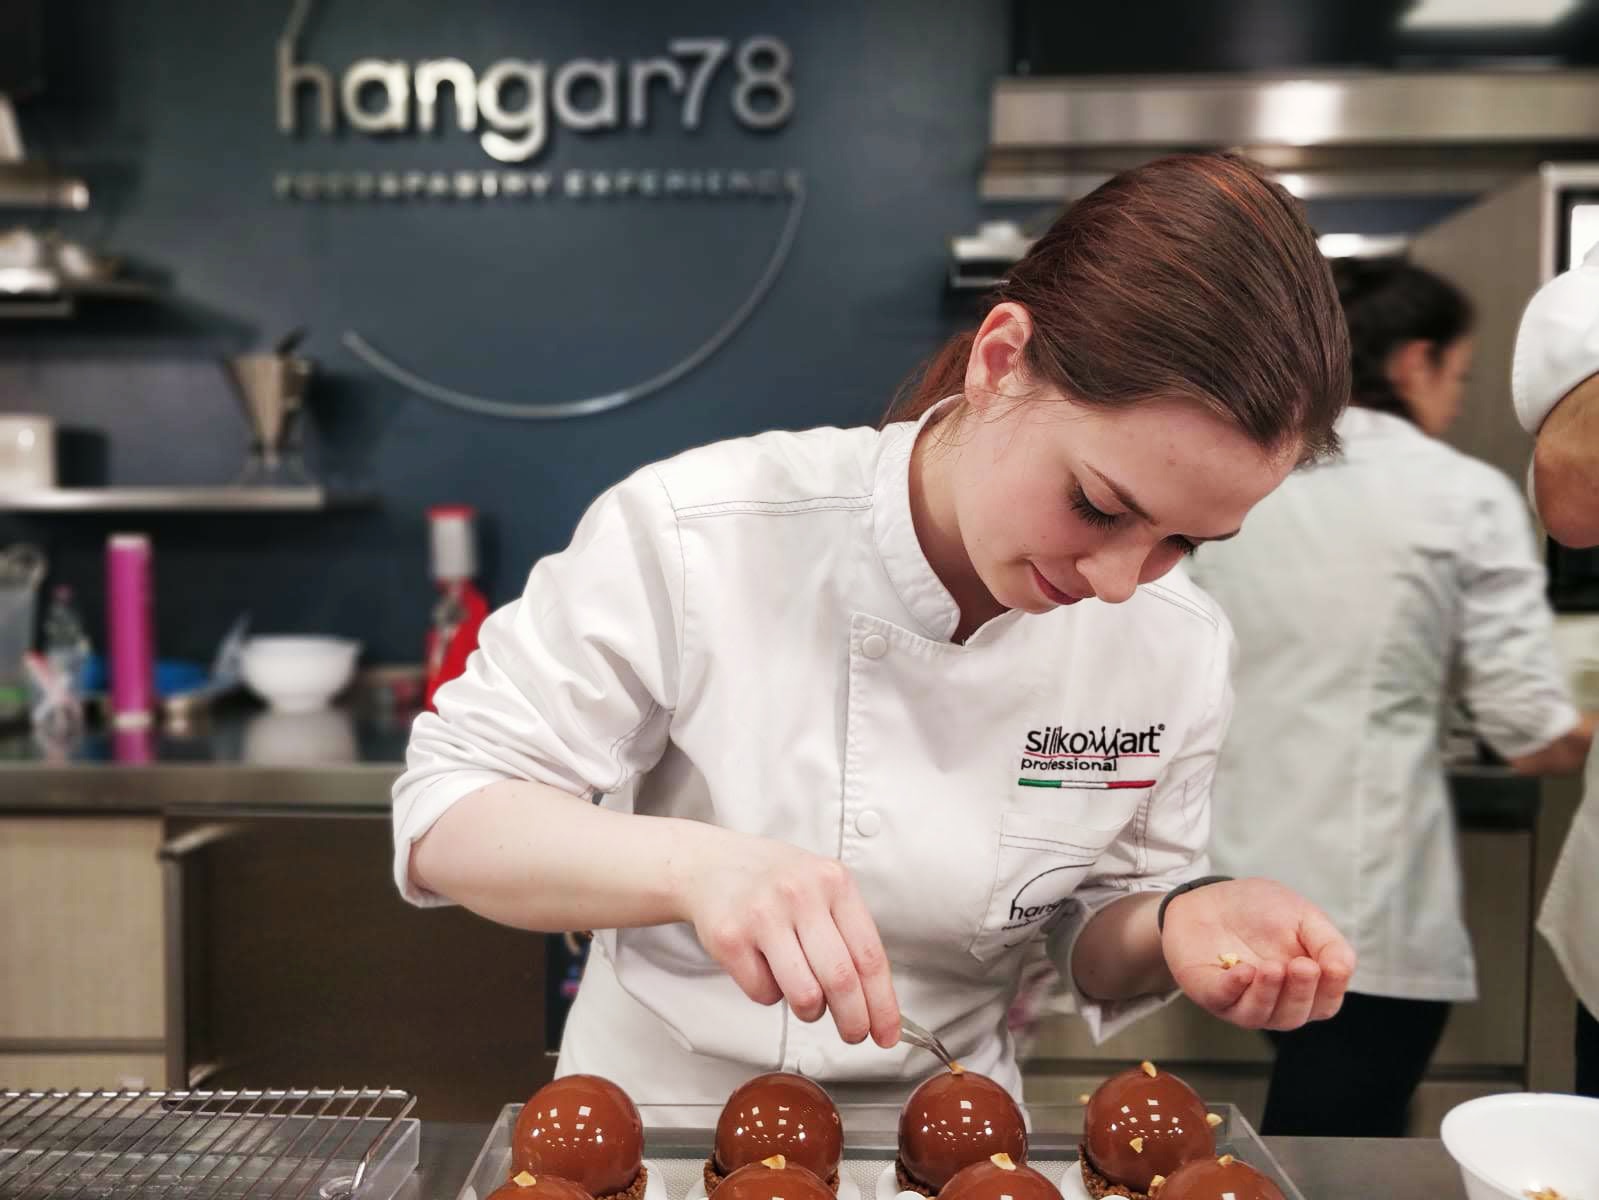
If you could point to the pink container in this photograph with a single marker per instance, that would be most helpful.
(130, 629)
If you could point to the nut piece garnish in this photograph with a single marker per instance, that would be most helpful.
(1543, 1194)
(1137, 1144)
(956, 1069)
(523, 1179)
(1228, 961)
(1083, 1097)
(777, 1162)
(1226, 1160)
(1148, 1068)
(1156, 1183)
(1213, 1119)
(1002, 1161)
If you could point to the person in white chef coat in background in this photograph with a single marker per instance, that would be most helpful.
(867, 713)
(1366, 592)
(1555, 380)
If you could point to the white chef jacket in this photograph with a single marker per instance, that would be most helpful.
(750, 635)
(1557, 347)
(1361, 591)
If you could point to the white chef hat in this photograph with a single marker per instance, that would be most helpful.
(1557, 346)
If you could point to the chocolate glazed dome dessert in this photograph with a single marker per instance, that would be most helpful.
(1223, 1178)
(777, 1113)
(951, 1121)
(999, 1179)
(773, 1179)
(1141, 1124)
(584, 1129)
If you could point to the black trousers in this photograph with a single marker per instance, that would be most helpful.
(1587, 1052)
(1354, 1074)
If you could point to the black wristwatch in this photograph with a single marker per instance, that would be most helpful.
(1202, 881)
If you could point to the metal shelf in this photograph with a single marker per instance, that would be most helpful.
(61, 299)
(182, 499)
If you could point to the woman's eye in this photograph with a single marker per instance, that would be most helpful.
(1085, 509)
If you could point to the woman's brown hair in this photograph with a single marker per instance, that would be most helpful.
(1389, 302)
(1190, 277)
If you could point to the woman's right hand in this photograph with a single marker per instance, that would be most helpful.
(789, 925)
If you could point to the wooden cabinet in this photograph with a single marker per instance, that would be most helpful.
(302, 964)
(245, 952)
(81, 986)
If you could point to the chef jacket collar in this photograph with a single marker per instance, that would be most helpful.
(919, 587)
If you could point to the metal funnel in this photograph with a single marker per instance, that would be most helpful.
(271, 390)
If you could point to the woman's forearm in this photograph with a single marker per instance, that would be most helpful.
(1118, 953)
(1566, 755)
(532, 856)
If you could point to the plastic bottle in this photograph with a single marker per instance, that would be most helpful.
(130, 622)
(66, 644)
(461, 607)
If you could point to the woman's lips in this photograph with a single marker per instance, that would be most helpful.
(1052, 593)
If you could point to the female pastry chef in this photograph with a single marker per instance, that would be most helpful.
(850, 719)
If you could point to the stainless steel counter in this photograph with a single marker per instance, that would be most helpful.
(246, 760)
(1324, 1168)
(242, 760)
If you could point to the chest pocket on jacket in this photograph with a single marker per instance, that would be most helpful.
(1041, 862)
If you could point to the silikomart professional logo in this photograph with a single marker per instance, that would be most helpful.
(510, 108)
(1059, 756)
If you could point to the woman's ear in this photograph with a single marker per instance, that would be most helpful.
(997, 367)
(1409, 366)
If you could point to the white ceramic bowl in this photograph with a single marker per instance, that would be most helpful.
(298, 674)
(1509, 1147)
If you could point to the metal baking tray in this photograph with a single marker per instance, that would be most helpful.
(284, 1144)
(678, 1137)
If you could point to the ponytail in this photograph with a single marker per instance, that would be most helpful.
(942, 375)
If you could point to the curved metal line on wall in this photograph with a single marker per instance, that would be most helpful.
(513, 411)
(510, 410)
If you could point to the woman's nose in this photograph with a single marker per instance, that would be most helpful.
(1112, 573)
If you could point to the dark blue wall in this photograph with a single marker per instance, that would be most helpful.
(167, 108)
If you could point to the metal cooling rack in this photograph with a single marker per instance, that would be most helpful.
(268, 1144)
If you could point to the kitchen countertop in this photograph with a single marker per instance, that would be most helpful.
(240, 758)
(246, 759)
(1324, 1168)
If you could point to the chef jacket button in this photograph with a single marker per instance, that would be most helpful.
(868, 823)
(874, 645)
(810, 1061)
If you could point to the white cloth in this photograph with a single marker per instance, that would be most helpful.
(1569, 918)
(750, 635)
(1557, 345)
(1360, 590)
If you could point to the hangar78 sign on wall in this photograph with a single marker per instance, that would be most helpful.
(511, 112)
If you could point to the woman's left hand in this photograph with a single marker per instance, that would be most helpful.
(1292, 966)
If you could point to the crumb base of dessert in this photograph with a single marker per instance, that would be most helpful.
(634, 1190)
(713, 1178)
(908, 1182)
(1098, 1186)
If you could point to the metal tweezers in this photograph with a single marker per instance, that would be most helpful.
(917, 1036)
